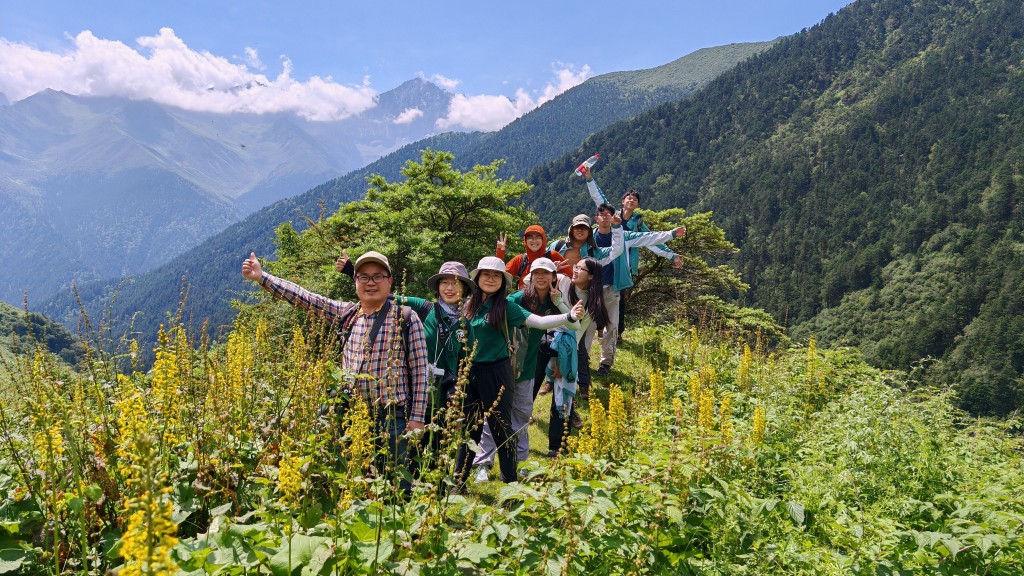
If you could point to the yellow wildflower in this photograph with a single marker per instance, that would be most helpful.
(757, 432)
(149, 537)
(358, 430)
(289, 478)
(617, 425)
(706, 409)
(725, 426)
(746, 360)
(657, 380)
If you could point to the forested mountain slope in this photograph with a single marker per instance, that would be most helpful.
(868, 170)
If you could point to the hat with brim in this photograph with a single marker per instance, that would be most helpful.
(543, 264)
(453, 270)
(375, 257)
(580, 220)
(493, 263)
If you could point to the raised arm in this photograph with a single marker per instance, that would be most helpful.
(293, 293)
(593, 189)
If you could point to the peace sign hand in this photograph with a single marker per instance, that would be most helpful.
(500, 246)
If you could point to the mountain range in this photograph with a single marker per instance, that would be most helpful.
(95, 188)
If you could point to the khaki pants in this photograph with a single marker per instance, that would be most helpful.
(610, 334)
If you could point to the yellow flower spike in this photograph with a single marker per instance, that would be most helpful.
(617, 425)
(706, 410)
(657, 380)
(358, 431)
(150, 532)
(694, 386)
(746, 361)
(725, 426)
(289, 478)
(758, 429)
(133, 352)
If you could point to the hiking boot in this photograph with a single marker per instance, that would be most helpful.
(552, 453)
(603, 370)
(545, 388)
(482, 475)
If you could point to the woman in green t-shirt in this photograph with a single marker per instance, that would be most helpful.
(492, 319)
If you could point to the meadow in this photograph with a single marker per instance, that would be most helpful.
(705, 452)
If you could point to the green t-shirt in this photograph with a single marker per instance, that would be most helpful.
(533, 336)
(491, 344)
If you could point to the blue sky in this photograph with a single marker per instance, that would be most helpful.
(326, 60)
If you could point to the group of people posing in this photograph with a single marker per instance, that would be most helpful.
(520, 328)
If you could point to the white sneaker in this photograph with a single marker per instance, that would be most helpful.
(481, 475)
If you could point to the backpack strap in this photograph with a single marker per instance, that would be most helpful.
(559, 246)
(524, 262)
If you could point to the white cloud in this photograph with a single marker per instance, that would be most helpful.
(488, 113)
(449, 84)
(172, 73)
(408, 115)
(252, 59)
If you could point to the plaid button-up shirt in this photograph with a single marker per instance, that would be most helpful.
(384, 374)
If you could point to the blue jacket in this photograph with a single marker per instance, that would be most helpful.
(635, 223)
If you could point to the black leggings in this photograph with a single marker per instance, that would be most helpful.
(489, 391)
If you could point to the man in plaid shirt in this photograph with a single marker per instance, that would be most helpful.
(392, 378)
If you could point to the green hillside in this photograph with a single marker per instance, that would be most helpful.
(16, 337)
(207, 276)
(867, 168)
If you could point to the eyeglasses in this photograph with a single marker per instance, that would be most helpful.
(376, 278)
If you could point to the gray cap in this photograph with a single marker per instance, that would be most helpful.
(372, 256)
(453, 270)
(583, 220)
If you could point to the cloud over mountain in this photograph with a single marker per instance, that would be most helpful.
(164, 69)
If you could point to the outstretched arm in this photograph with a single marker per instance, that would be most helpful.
(649, 239)
(555, 320)
(291, 292)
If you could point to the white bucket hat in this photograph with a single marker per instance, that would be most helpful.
(494, 263)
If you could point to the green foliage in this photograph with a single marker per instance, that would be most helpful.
(21, 330)
(434, 215)
(854, 471)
